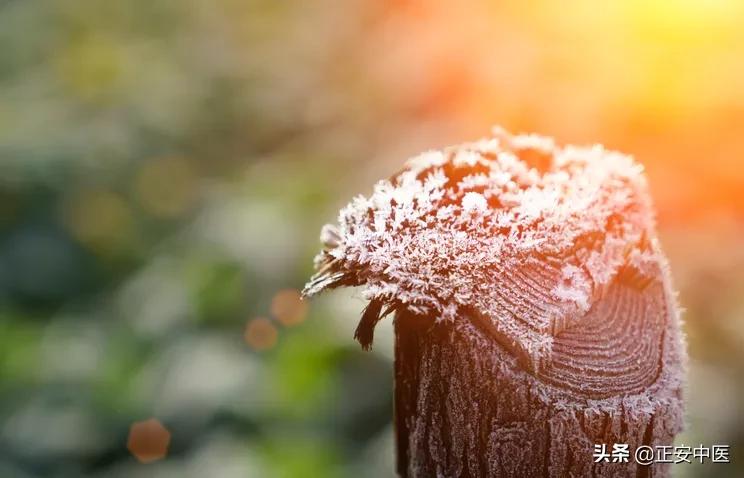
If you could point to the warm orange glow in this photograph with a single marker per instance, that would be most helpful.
(148, 440)
(660, 79)
(261, 334)
(288, 307)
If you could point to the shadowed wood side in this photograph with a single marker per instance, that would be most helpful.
(466, 407)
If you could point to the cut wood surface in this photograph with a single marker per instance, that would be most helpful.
(534, 315)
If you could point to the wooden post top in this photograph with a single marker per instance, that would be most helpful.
(526, 237)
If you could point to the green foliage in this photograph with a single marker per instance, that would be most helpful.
(160, 180)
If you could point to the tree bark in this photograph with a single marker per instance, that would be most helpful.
(466, 406)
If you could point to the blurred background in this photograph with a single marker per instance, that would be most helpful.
(166, 165)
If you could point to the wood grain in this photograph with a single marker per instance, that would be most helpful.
(467, 407)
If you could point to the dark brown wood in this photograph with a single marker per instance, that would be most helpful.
(466, 407)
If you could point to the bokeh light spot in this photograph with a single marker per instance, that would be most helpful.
(261, 334)
(93, 67)
(148, 440)
(288, 307)
(99, 218)
(166, 187)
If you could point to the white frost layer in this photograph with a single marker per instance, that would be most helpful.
(446, 231)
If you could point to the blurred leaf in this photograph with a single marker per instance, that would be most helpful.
(219, 291)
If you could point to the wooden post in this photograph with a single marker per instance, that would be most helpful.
(536, 330)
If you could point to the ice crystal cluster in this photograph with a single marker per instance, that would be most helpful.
(459, 228)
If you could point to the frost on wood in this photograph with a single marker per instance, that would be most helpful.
(533, 307)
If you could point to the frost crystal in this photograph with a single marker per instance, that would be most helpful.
(474, 202)
(461, 227)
